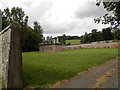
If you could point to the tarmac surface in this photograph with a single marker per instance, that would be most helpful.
(102, 76)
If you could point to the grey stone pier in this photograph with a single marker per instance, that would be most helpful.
(11, 57)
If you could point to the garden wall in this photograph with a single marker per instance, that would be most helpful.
(50, 48)
(93, 45)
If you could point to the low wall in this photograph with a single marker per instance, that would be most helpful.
(100, 45)
(50, 48)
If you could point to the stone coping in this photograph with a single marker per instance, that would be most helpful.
(7, 28)
(49, 44)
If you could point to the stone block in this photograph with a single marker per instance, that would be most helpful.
(11, 57)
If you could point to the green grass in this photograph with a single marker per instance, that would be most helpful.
(43, 69)
(73, 42)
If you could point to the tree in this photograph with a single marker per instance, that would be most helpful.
(15, 14)
(116, 34)
(63, 39)
(30, 37)
(113, 20)
(107, 34)
(99, 36)
(94, 35)
(27, 36)
(85, 38)
(38, 31)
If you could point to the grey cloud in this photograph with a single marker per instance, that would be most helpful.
(37, 12)
(4, 4)
(90, 10)
(55, 29)
(28, 3)
(49, 29)
(72, 28)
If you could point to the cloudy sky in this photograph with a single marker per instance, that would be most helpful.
(58, 17)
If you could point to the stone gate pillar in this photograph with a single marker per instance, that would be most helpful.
(11, 57)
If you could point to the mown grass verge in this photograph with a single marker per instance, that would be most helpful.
(43, 69)
(73, 42)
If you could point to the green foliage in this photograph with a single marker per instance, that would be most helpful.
(113, 20)
(62, 39)
(95, 35)
(86, 38)
(38, 31)
(30, 37)
(16, 14)
(116, 34)
(107, 34)
(99, 36)
(43, 69)
(69, 40)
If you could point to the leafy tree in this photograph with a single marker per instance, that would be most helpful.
(113, 20)
(62, 39)
(85, 38)
(99, 36)
(94, 35)
(116, 34)
(107, 34)
(15, 14)
(27, 36)
(30, 37)
(38, 32)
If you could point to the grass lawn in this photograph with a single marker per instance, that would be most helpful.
(73, 42)
(43, 69)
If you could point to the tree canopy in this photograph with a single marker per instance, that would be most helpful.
(104, 35)
(114, 8)
(31, 37)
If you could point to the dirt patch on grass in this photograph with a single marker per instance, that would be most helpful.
(104, 78)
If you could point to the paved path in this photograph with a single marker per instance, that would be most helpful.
(102, 76)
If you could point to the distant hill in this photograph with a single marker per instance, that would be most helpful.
(72, 37)
(73, 42)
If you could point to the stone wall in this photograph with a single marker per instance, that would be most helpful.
(11, 57)
(0, 61)
(93, 45)
(56, 48)
(50, 48)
